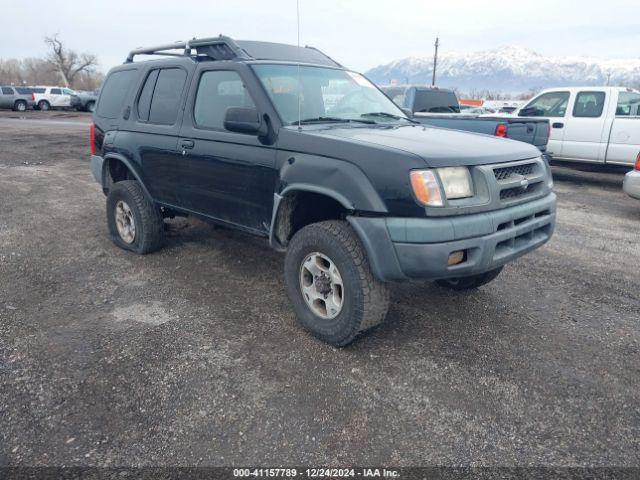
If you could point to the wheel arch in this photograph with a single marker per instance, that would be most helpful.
(299, 205)
(117, 167)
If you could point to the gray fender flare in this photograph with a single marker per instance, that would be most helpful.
(130, 167)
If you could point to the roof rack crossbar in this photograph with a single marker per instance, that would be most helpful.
(218, 48)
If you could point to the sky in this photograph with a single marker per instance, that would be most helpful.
(359, 34)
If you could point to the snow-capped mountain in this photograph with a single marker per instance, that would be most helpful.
(508, 69)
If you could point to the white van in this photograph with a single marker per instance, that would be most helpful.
(590, 124)
(47, 98)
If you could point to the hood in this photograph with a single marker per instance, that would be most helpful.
(438, 147)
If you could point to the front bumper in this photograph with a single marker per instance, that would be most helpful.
(631, 184)
(404, 248)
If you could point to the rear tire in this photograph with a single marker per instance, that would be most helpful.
(470, 282)
(134, 221)
(20, 106)
(44, 106)
(363, 300)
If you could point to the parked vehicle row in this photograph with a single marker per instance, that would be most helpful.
(590, 124)
(46, 98)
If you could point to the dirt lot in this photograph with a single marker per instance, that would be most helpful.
(191, 356)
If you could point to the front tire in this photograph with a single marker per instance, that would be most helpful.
(470, 282)
(134, 221)
(20, 106)
(330, 284)
(90, 107)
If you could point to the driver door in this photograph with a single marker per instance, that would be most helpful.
(225, 175)
(553, 106)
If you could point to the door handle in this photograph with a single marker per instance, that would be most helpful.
(187, 144)
(557, 125)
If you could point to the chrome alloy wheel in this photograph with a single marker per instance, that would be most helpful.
(321, 285)
(124, 222)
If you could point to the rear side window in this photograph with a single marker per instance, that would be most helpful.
(114, 93)
(7, 91)
(166, 96)
(56, 91)
(24, 90)
(589, 104)
(628, 104)
(217, 91)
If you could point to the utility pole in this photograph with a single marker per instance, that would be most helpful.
(608, 78)
(435, 62)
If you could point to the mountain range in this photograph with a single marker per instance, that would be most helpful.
(509, 69)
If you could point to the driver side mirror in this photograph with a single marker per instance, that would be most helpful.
(527, 112)
(244, 120)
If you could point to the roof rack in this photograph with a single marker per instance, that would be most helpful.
(225, 48)
(217, 48)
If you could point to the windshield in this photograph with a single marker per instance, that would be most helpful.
(326, 95)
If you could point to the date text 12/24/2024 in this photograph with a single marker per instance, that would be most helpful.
(316, 472)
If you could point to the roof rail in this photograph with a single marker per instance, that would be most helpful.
(217, 48)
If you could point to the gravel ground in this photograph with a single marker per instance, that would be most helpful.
(191, 356)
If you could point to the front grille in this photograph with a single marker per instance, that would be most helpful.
(517, 192)
(505, 173)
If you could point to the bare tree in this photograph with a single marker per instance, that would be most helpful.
(68, 63)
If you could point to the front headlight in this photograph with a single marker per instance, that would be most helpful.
(456, 182)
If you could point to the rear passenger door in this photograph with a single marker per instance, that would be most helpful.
(584, 136)
(227, 176)
(624, 137)
(56, 99)
(157, 117)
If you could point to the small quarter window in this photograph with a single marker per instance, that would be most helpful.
(589, 104)
(144, 101)
(7, 91)
(628, 104)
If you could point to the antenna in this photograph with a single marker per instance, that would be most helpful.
(435, 62)
(299, 86)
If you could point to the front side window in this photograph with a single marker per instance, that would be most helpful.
(552, 104)
(628, 104)
(325, 95)
(166, 96)
(219, 90)
(68, 91)
(7, 91)
(589, 104)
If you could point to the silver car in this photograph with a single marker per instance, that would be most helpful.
(16, 98)
(631, 184)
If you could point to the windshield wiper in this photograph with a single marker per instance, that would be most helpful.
(387, 115)
(331, 119)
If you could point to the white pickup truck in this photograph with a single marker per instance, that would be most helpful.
(590, 124)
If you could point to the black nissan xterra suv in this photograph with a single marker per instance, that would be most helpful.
(283, 142)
